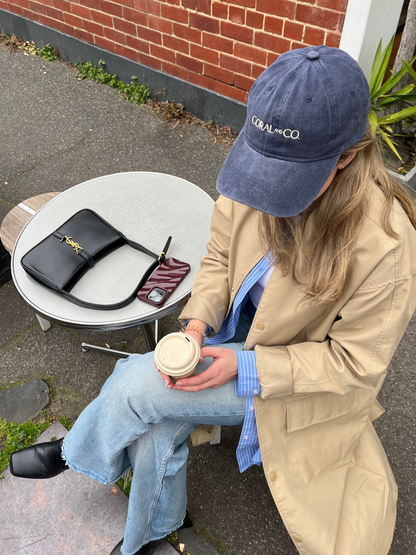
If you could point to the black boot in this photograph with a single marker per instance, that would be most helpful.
(146, 549)
(38, 461)
(150, 547)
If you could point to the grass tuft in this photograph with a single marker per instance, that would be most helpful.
(66, 423)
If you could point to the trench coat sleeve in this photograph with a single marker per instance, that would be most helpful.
(210, 291)
(359, 346)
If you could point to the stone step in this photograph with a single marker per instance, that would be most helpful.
(70, 514)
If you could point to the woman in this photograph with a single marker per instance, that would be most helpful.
(305, 292)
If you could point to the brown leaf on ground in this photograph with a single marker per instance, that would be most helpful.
(175, 111)
(13, 44)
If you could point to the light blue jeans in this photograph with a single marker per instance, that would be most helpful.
(136, 421)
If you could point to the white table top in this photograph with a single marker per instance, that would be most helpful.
(146, 207)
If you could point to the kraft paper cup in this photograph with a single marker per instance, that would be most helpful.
(177, 354)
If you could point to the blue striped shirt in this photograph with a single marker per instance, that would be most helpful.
(247, 383)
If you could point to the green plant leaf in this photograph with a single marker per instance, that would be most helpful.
(375, 68)
(388, 85)
(409, 98)
(48, 53)
(390, 143)
(405, 90)
(372, 117)
(387, 102)
(398, 116)
(408, 66)
(402, 95)
(382, 62)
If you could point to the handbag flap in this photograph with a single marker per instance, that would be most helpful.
(90, 232)
(60, 260)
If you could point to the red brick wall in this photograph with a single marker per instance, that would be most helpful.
(219, 45)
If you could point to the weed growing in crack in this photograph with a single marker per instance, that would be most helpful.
(48, 52)
(133, 92)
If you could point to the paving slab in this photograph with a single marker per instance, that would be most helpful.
(15, 314)
(70, 514)
(24, 402)
(67, 515)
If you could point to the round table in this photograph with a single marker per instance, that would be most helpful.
(146, 207)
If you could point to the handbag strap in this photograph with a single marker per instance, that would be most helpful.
(140, 247)
(159, 259)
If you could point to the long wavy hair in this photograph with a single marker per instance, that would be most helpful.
(319, 264)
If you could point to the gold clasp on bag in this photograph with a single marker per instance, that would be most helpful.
(74, 245)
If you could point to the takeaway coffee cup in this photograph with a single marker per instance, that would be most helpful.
(177, 354)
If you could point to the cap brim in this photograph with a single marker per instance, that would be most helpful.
(278, 187)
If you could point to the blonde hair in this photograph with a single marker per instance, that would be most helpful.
(319, 264)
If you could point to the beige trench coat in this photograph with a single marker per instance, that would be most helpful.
(320, 369)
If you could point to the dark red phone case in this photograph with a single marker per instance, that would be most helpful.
(164, 280)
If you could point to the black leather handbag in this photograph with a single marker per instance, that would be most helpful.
(61, 259)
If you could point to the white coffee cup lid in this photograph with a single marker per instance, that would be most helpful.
(177, 354)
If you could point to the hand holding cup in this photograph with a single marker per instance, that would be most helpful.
(176, 355)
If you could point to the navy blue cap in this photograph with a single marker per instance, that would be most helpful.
(303, 112)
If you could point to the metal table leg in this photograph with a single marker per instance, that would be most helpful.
(86, 347)
(150, 340)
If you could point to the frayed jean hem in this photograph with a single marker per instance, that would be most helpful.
(155, 539)
(88, 472)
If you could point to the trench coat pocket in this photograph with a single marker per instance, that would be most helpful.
(322, 432)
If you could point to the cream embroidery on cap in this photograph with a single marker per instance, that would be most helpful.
(287, 133)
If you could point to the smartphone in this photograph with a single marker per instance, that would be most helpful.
(163, 282)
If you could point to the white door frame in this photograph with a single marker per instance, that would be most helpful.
(366, 21)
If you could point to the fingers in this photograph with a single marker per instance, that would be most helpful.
(167, 379)
(197, 380)
(211, 352)
(195, 388)
(197, 383)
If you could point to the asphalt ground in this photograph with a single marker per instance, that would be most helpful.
(57, 132)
